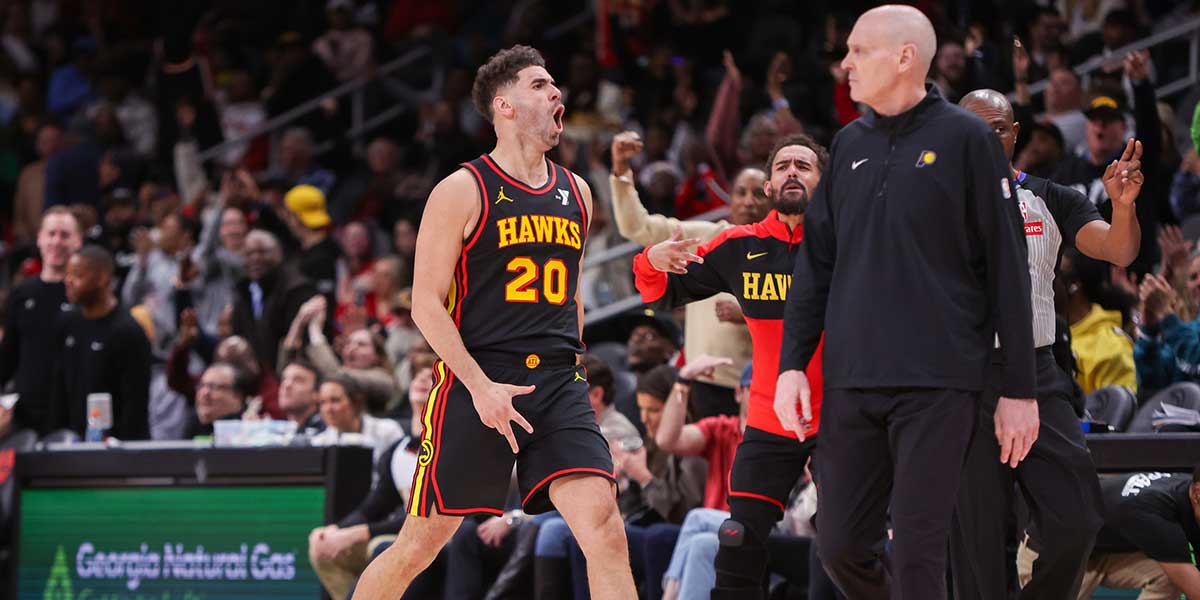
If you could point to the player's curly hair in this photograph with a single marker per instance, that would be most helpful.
(501, 70)
(799, 139)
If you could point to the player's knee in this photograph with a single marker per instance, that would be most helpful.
(741, 560)
(604, 531)
(316, 561)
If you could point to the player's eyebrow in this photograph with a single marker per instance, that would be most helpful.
(539, 79)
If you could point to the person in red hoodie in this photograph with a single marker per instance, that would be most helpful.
(754, 262)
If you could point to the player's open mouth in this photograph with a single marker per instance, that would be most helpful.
(558, 117)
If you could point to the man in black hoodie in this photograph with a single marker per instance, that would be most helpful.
(913, 263)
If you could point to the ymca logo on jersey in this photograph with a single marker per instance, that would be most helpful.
(564, 195)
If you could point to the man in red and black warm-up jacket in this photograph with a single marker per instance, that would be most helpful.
(755, 263)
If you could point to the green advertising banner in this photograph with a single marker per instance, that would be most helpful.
(168, 543)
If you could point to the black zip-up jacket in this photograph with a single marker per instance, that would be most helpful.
(914, 258)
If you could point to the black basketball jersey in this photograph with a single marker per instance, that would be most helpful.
(514, 285)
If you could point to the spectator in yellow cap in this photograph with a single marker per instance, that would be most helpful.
(309, 222)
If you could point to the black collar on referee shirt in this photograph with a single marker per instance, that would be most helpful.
(907, 119)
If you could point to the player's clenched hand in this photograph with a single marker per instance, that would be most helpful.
(791, 390)
(1016, 428)
(673, 255)
(625, 146)
(494, 404)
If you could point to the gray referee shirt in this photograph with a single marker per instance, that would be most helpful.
(1053, 214)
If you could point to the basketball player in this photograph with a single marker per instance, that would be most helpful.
(754, 261)
(496, 294)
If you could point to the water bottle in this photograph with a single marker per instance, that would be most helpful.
(99, 416)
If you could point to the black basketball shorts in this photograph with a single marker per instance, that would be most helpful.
(465, 467)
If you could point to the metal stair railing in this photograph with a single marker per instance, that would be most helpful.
(360, 123)
(620, 251)
(1189, 29)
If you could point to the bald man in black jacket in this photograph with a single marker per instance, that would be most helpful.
(913, 264)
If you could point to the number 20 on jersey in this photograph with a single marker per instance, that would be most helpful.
(524, 287)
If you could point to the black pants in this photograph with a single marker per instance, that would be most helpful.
(897, 448)
(1058, 481)
(765, 470)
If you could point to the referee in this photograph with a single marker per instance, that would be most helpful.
(913, 262)
(1058, 477)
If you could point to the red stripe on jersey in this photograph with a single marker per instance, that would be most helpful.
(467, 511)
(460, 278)
(769, 227)
(579, 200)
(437, 424)
(483, 213)
(549, 182)
(561, 473)
(758, 497)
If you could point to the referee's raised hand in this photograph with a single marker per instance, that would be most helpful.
(494, 405)
(1017, 426)
(1123, 178)
(673, 255)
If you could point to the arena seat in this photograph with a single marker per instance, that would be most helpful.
(1113, 405)
(1184, 395)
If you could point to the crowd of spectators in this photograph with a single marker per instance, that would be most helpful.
(271, 279)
